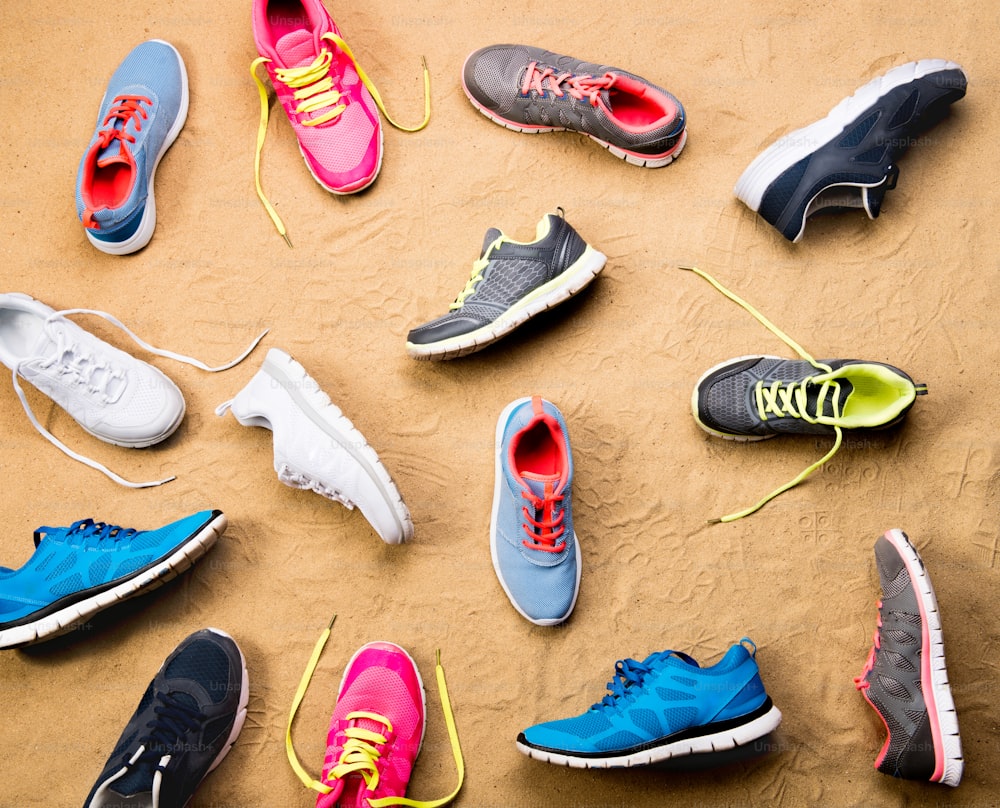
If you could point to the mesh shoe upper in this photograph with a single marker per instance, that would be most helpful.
(185, 723)
(534, 547)
(898, 679)
(763, 396)
(650, 702)
(630, 113)
(376, 728)
(513, 270)
(145, 97)
(77, 562)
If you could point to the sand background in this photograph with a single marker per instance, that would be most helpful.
(915, 288)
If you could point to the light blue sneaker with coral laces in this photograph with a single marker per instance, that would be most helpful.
(79, 570)
(141, 114)
(663, 707)
(535, 551)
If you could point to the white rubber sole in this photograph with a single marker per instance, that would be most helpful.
(142, 236)
(241, 710)
(498, 492)
(570, 282)
(789, 149)
(328, 417)
(716, 742)
(68, 618)
(635, 158)
(694, 401)
(937, 696)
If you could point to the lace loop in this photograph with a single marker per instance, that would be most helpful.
(579, 87)
(127, 108)
(547, 529)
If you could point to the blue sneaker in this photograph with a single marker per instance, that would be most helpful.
(141, 114)
(186, 722)
(79, 570)
(535, 551)
(663, 707)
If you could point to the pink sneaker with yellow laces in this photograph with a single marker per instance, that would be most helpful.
(330, 101)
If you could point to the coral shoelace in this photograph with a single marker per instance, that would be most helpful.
(360, 753)
(861, 682)
(579, 87)
(79, 367)
(544, 532)
(126, 107)
(782, 399)
(314, 90)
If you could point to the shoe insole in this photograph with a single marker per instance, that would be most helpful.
(19, 331)
(285, 16)
(111, 185)
(537, 452)
(635, 110)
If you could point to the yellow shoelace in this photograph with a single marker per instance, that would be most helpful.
(314, 91)
(477, 273)
(360, 752)
(782, 399)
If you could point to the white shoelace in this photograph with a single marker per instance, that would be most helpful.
(85, 368)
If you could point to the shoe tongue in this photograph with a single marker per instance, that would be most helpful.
(536, 483)
(112, 155)
(296, 48)
(491, 235)
(843, 390)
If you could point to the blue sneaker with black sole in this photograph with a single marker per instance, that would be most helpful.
(141, 114)
(663, 707)
(79, 570)
(535, 552)
(186, 722)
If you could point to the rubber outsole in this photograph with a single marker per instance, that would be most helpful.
(144, 234)
(70, 617)
(714, 742)
(573, 280)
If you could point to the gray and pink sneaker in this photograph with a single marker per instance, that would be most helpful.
(533, 90)
(904, 678)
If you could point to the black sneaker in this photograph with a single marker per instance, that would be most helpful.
(185, 724)
(848, 159)
(904, 678)
(511, 282)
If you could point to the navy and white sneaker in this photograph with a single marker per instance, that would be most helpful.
(141, 115)
(848, 159)
(186, 722)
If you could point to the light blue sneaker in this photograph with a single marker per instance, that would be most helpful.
(141, 114)
(79, 570)
(662, 707)
(535, 551)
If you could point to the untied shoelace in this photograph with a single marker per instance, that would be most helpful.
(359, 753)
(84, 368)
(783, 399)
(314, 91)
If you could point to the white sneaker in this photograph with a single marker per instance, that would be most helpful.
(316, 447)
(112, 395)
